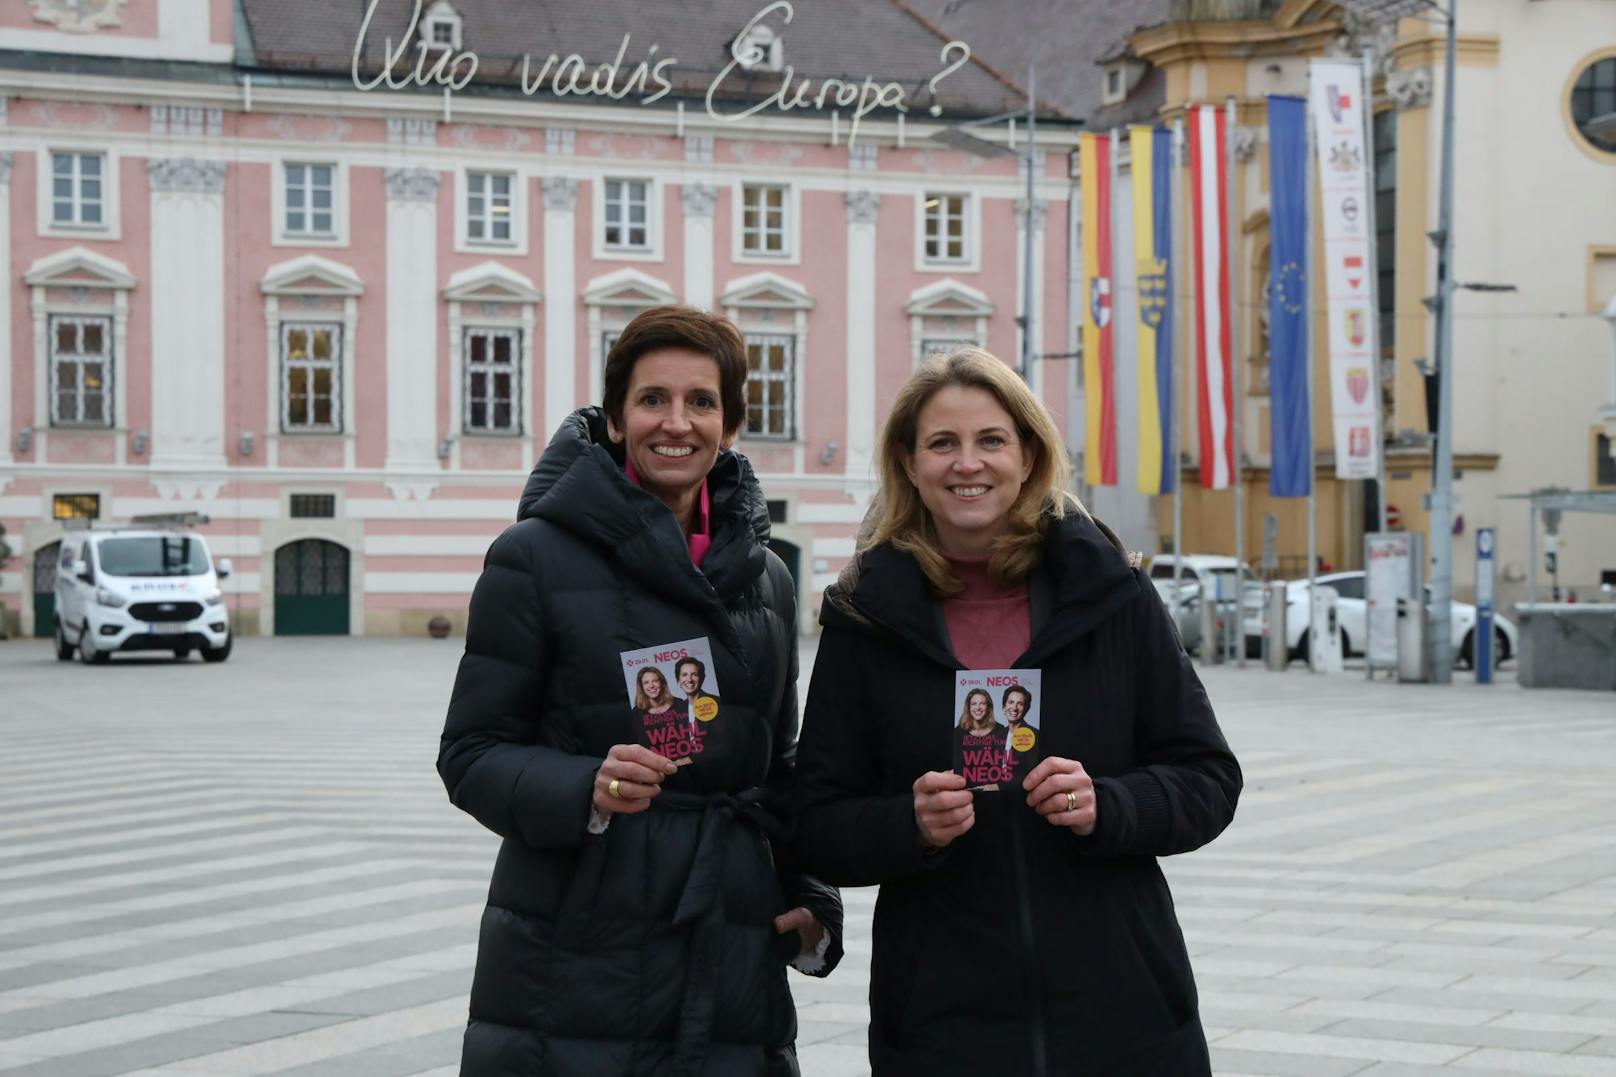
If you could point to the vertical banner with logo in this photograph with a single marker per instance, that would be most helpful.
(1099, 372)
(1209, 128)
(1335, 94)
(1291, 408)
(1152, 244)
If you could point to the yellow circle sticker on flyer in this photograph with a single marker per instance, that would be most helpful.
(1024, 738)
(706, 708)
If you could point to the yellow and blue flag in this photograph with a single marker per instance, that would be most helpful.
(1153, 268)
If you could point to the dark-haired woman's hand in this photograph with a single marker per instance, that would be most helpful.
(637, 772)
(943, 807)
(1062, 792)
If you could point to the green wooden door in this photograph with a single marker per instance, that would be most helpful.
(45, 589)
(311, 589)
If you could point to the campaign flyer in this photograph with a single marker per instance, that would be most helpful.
(674, 695)
(996, 724)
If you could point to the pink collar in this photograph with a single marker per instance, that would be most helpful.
(701, 533)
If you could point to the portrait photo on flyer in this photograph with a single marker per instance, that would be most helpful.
(674, 694)
(996, 725)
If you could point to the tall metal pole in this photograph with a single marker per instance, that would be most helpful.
(1441, 619)
(1027, 350)
(1181, 322)
(1237, 632)
(1376, 344)
(1312, 409)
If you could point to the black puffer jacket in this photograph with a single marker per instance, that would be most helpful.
(1021, 948)
(648, 949)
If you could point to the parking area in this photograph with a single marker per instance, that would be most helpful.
(251, 868)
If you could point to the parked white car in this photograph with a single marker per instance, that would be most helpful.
(139, 590)
(1217, 573)
(1352, 614)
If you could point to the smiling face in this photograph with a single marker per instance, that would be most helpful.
(979, 707)
(1015, 706)
(968, 466)
(689, 679)
(653, 686)
(673, 423)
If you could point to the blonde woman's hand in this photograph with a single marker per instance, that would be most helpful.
(1063, 793)
(943, 807)
(638, 772)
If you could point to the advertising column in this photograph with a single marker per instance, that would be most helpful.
(1335, 96)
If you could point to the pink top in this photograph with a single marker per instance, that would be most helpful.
(701, 534)
(990, 626)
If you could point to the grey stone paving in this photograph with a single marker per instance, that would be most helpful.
(217, 871)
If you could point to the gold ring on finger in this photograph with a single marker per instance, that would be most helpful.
(615, 791)
(1071, 801)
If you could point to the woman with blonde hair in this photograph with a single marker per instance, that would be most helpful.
(655, 699)
(976, 556)
(976, 716)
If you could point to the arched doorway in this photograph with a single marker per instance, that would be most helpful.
(45, 559)
(311, 589)
(791, 554)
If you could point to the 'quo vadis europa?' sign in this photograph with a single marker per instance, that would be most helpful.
(645, 79)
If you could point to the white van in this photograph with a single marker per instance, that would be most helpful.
(139, 589)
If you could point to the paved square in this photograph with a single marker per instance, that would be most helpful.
(251, 868)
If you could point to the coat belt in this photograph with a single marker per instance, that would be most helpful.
(701, 907)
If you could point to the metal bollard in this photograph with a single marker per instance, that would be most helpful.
(1276, 655)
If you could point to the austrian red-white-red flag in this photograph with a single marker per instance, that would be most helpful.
(1208, 129)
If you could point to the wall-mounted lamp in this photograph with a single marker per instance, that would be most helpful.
(445, 447)
(25, 439)
(142, 439)
(828, 453)
(245, 446)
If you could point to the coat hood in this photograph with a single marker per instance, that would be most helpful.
(1086, 572)
(579, 485)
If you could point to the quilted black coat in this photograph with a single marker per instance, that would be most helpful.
(650, 948)
(1021, 948)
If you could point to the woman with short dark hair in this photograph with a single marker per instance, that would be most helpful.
(976, 557)
(641, 914)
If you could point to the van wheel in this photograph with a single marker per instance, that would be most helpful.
(87, 652)
(64, 649)
(210, 654)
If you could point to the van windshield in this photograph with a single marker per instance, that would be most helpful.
(154, 555)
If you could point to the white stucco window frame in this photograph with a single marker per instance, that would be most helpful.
(972, 262)
(111, 226)
(655, 218)
(309, 276)
(340, 223)
(97, 286)
(516, 246)
(793, 226)
(466, 294)
(610, 302)
(768, 303)
(950, 299)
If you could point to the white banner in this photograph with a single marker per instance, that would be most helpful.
(1336, 100)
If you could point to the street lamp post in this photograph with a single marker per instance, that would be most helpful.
(1441, 616)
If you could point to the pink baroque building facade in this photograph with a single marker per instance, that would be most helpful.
(342, 326)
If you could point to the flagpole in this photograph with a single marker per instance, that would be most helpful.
(1375, 343)
(1312, 468)
(1175, 438)
(1111, 225)
(1232, 258)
